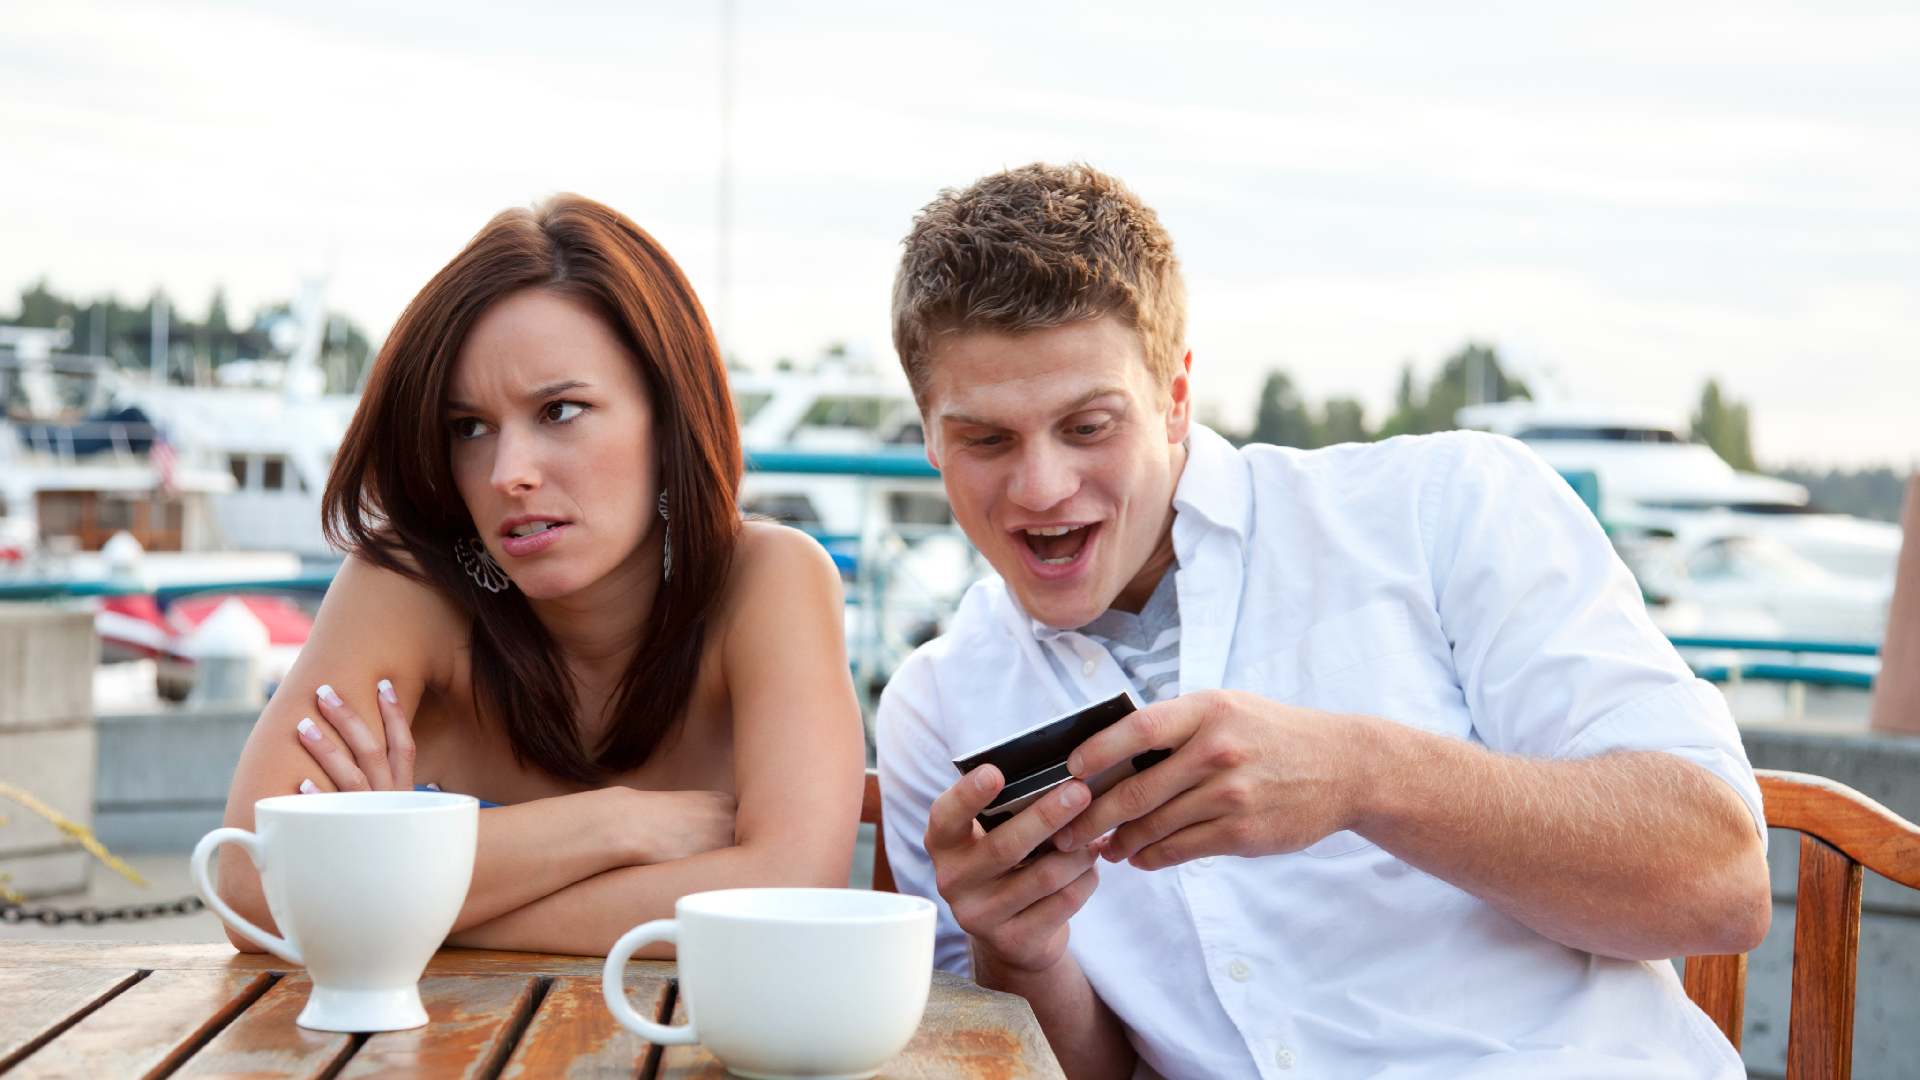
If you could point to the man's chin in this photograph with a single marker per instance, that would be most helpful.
(1063, 607)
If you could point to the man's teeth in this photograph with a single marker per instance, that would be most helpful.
(532, 527)
(1054, 530)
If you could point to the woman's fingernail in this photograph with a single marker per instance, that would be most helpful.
(327, 695)
(386, 692)
(309, 730)
(1073, 795)
(308, 787)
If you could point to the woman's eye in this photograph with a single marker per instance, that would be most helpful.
(560, 412)
(468, 427)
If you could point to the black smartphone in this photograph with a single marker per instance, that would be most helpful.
(1034, 760)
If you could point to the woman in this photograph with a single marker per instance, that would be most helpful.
(552, 604)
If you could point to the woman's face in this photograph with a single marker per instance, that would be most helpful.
(552, 445)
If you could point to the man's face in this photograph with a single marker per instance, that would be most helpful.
(1060, 452)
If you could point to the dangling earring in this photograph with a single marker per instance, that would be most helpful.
(666, 558)
(477, 561)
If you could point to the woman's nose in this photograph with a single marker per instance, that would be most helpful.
(515, 462)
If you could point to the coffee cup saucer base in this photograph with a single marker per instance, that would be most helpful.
(363, 1010)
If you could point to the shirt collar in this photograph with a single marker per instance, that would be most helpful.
(1214, 492)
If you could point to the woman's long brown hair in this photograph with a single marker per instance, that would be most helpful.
(391, 498)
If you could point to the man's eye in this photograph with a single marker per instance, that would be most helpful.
(987, 440)
(560, 412)
(1085, 430)
(468, 427)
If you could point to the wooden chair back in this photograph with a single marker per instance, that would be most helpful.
(1841, 831)
(870, 815)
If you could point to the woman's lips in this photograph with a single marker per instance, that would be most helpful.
(522, 546)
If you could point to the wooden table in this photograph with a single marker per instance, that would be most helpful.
(105, 1009)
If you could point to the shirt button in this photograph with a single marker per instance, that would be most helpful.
(1087, 668)
(1283, 1057)
(1204, 860)
(1240, 971)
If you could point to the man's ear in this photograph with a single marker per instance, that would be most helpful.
(1180, 406)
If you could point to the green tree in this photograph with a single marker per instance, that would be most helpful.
(1472, 375)
(1345, 422)
(1723, 426)
(1282, 419)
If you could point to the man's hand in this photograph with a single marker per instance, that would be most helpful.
(1015, 914)
(1248, 776)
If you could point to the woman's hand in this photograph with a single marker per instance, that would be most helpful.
(676, 824)
(354, 755)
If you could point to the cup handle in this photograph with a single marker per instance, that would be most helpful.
(204, 850)
(613, 985)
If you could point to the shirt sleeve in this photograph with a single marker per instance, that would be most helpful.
(1550, 636)
(914, 770)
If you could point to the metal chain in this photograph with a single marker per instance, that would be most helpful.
(90, 916)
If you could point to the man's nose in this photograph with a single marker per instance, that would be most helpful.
(1042, 478)
(515, 462)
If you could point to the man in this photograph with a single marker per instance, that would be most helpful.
(1441, 800)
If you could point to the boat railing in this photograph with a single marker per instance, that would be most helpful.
(1766, 667)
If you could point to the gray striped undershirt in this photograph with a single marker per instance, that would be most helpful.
(1147, 645)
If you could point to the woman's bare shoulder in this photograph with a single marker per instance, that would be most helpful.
(373, 611)
(770, 555)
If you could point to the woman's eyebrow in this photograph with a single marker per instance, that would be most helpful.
(550, 389)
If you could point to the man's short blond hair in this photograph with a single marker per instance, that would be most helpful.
(1032, 248)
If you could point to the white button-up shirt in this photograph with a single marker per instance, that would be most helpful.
(1452, 583)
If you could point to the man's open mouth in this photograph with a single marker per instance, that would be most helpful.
(1057, 545)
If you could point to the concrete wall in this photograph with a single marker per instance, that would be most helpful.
(164, 777)
(46, 742)
(1887, 769)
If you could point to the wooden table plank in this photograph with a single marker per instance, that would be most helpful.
(176, 956)
(471, 1022)
(147, 1029)
(40, 1001)
(574, 1036)
(266, 1044)
(966, 1032)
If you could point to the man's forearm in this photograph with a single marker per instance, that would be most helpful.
(1085, 1035)
(1638, 855)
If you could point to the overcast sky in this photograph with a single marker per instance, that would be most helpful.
(1626, 197)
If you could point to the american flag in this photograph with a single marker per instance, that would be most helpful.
(161, 456)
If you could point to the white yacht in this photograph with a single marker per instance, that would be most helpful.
(1719, 552)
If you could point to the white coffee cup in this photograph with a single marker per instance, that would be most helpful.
(364, 885)
(790, 982)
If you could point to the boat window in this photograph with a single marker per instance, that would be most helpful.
(60, 512)
(273, 472)
(238, 463)
(1751, 558)
(854, 412)
(749, 404)
(792, 509)
(113, 512)
(1602, 434)
(919, 508)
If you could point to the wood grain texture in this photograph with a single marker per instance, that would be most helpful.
(38, 1001)
(266, 1044)
(148, 1029)
(1718, 984)
(573, 1035)
(966, 1032)
(179, 956)
(471, 1023)
(1871, 834)
(1826, 943)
